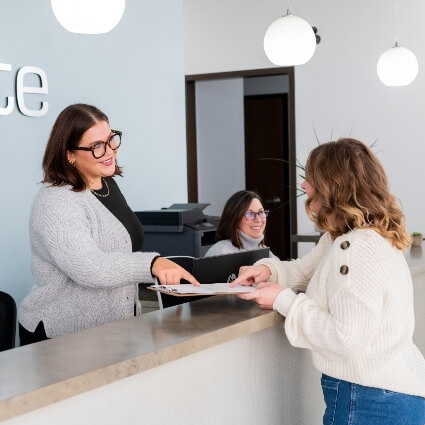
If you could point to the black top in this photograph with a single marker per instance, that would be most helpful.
(117, 205)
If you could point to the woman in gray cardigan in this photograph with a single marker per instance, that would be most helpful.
(85, 240)
(242, 225)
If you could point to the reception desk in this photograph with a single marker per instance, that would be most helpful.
(416, 261)
(219, 360)
(215, 360)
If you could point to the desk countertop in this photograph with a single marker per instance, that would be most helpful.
(416, 259)
(40, 374)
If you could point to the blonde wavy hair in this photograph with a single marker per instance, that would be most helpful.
(348, 179)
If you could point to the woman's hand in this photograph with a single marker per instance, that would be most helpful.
(264, 295)
(249, 275)
(170, 273)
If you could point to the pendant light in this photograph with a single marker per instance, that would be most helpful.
(289, 40)
(397, 66)
(88, 16)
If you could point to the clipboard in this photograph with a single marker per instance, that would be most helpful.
(187, 290)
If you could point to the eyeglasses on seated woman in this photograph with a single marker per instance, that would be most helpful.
(242, 225)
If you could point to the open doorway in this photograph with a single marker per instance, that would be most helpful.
(241, 134)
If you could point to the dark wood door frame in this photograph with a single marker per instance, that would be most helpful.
(191, 144)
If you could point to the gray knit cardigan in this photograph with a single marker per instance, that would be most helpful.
(82, 261)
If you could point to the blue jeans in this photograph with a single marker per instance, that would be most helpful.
(352, 404)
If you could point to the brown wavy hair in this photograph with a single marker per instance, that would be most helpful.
(348, 179)
(234, 209)
(66, 134)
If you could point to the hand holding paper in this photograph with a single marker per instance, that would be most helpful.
(264, 295)
(203, 289)
(249, 275)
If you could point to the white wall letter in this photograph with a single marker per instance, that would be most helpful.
(21, 90)
(9, 99)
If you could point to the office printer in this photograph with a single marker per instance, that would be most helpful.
(180, 229)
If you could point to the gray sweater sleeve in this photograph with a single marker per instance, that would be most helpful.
(79, 236)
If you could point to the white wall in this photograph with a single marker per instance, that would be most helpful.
(338, 92)
(135, 74)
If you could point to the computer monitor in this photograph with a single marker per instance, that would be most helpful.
(214, 269)
(225, 267)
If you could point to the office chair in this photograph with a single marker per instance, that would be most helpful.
(7, 321)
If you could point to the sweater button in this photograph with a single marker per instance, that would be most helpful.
(343, 269)
(345, 245)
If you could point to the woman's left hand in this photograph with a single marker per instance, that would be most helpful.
(264, 295)
(170, 273)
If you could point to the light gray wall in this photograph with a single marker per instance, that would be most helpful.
(135, 74)
(220, 141)
(271, 84)
(338, 92)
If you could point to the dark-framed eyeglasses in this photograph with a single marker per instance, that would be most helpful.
(98, 149)
(251, 215)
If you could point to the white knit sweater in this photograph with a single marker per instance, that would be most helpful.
(356, 315)
(82, 261)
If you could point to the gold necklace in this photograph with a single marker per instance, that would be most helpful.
(99, 194)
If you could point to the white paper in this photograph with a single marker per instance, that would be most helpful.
(205, 289)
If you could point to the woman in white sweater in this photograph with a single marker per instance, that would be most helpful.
(242, 225)
(350, 301)
(85, 239)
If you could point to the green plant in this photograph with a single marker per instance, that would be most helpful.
(417, 239)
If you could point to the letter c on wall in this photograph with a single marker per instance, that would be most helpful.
(9, 99)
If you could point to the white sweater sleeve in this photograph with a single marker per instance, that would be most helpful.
(296, 274)
(341, 315)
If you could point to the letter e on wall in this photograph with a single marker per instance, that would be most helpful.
(21, 90)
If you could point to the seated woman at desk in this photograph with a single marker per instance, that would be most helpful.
(85, 239)
(241, 226)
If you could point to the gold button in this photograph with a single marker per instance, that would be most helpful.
(345, 245)
(343, 269)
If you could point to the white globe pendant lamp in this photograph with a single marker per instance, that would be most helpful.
(88, 16)
(397, 66)
(289, 41)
